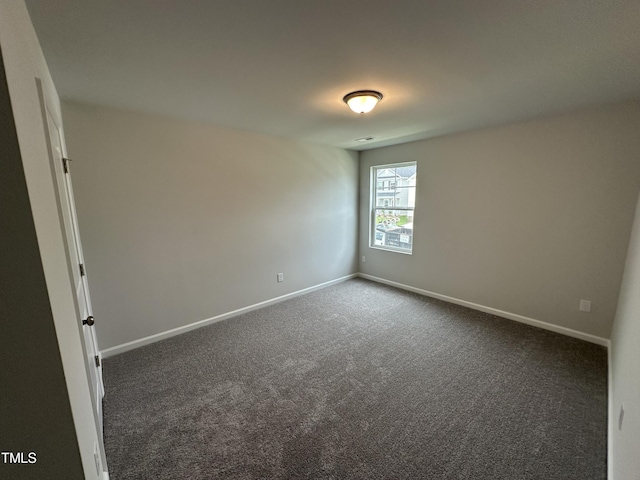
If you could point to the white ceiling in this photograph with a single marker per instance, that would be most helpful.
(281, 67)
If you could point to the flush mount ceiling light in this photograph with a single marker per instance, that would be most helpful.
(362, 101)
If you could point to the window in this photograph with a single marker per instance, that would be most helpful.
(393, 202)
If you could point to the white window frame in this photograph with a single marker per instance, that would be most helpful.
(373, 207)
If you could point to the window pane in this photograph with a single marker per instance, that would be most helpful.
(403, 197)
(393, 201)
(393, 228)
(396, 182)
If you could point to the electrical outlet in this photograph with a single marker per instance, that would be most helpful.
(364, 259)
(585, 305)
(280, 277)
(621, 417)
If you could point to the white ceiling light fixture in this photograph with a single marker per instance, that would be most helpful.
(362, 101)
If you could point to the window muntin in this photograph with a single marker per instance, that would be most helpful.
(392, 206)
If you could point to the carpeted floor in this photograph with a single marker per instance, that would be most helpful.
(359, 381)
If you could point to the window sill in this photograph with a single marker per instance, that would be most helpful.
(389, 249)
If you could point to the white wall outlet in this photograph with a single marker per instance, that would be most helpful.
(621, 417)
(280, 277)
(585, 305)
(364, 259)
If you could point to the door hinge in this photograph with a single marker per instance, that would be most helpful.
(97, 358)
(65, 164)
(82, 270)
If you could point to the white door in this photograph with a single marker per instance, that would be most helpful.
(75, 258)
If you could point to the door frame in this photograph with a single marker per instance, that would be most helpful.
(46, 106)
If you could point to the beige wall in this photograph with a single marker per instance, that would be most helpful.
(625, 362)
(527, 218)
(183, 221)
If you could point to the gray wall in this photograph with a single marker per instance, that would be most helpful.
(625, 360)
(184, 221)
(527, 218)
(34, 403)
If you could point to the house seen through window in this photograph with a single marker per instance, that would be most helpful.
(393, 199)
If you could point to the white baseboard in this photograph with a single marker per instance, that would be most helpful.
(109, 352)
(494, 311)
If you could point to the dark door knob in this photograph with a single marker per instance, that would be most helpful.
(89, 321)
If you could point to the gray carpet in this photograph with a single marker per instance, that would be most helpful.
(359, 381)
